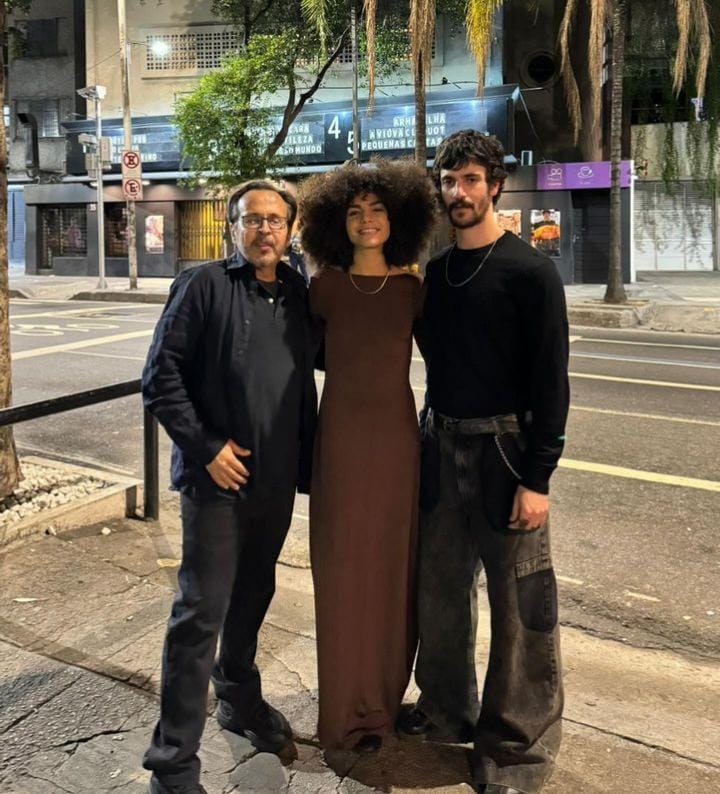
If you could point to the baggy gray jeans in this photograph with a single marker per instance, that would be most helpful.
(467, 491)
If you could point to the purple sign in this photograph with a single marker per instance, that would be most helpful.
(579, 176)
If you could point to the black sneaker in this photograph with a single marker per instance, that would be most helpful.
(267, 729)
(158, 787)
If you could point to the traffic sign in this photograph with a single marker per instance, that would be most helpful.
(131, 165)
(132, 189)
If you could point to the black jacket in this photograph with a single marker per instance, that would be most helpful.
(196, 361)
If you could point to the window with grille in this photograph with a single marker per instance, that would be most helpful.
(188, 51)
(47, 115)
(202, 230)
(345, 56)
(63, 232)
(116, 234)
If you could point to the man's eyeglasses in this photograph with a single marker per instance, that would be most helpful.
(275, 222)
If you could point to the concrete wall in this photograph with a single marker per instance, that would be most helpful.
(36, 78)
(648, 143)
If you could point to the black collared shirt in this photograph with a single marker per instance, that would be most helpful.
(499, 344)
(226, 363)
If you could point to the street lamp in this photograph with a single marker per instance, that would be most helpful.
(97, 93)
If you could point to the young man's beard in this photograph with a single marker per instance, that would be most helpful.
(478, 213)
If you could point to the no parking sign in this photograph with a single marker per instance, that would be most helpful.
(131, 175)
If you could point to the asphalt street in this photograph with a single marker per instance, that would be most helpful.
(635, 503)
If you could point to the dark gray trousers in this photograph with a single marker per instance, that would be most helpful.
(466, 497)
(225, 584)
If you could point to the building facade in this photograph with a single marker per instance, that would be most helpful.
(173, 44)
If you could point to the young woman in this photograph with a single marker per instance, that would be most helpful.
(362, 226)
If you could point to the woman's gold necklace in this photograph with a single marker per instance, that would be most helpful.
(372, 292)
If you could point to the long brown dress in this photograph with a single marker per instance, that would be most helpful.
(363, 504)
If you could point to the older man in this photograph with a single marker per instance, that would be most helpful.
(230, 377)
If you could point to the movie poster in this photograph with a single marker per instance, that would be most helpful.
(510, 221)
(546, 231)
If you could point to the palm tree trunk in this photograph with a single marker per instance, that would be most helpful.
(9, 467)
(420, 115)
(615, 292)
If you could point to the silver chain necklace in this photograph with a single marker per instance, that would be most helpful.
(474, 273)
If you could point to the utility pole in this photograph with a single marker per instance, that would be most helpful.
(127, 131)
(97, 94)
(355, 112)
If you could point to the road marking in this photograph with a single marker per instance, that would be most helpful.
(112, 355)
(86, 309)
(572, 339)
(642, 596)
(300, 516)
(637, 360)
(645, 344)
(641, 382)
(103, 340)
(659, 417)
(639, 474)
(569, 580)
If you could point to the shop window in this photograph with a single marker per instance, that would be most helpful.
(546, 231)
(202, 230)
(116, 233)
(63, 232)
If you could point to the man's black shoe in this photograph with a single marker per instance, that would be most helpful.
(267, 729)
(495, 788)
(412, 721)
(157, 787)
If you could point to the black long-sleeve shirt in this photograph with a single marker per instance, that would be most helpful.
(499, 345)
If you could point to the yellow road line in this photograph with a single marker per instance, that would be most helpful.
(639, 474)
(103, 340)
(659, 417)
(641, 382)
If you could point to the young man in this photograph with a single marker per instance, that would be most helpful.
(495, 341)
(230, 377)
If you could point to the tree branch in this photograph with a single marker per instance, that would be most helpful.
(291, 109)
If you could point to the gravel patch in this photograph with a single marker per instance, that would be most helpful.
(44, 488)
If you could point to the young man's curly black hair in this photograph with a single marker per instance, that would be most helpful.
(467, 146)
(403, 188)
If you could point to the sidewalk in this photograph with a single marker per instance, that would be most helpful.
(82, 618)
(688, 302)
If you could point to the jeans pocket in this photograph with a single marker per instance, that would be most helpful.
(429, 467)
(537, 593)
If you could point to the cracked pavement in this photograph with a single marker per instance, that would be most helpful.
(79, 676)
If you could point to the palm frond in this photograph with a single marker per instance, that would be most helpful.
(315, 12)
(479, 28)
(422, 30)
(370, 11)
(683, 15)
(572, 93)
(704, 43)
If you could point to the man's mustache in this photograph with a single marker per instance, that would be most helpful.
(458, 204)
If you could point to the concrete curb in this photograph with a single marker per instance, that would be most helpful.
(125, 296)
(648, 315)
(119, 499)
